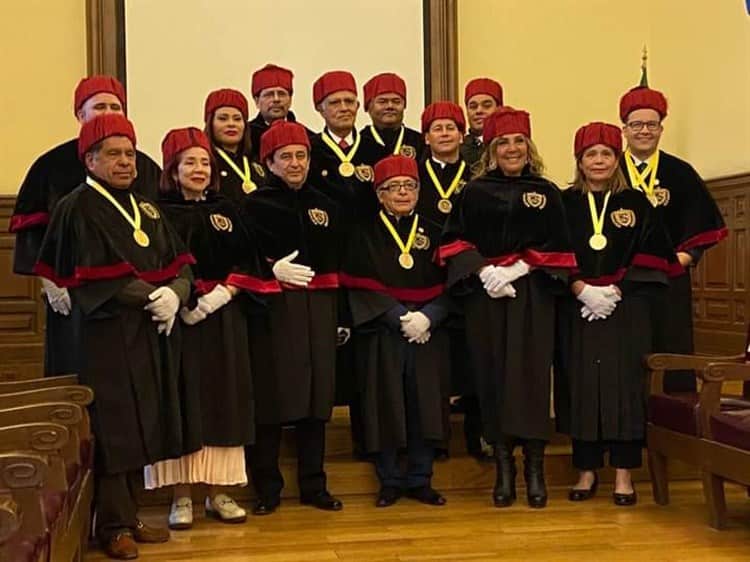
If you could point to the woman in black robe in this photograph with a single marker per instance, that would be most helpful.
(225, 113)
(403, 356)
(604, 329)
(508, 253)
(216, 380)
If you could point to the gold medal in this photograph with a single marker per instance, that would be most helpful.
(406, 261)
(445, 206)
(598, 242)
(249, 186)
(141, 238)
(346, 169)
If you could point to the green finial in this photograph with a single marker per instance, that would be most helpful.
(644, 73)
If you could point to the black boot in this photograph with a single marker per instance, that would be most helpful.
(504, 493)
(533, 471)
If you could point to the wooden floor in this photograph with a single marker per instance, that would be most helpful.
(468, 528)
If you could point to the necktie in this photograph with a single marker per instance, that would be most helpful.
(640, 167)
(343, 144)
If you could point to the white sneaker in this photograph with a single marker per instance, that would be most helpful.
(181, 514)
(225, 509)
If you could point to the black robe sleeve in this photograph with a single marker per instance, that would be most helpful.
(461, 256)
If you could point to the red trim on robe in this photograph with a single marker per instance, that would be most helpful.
(203, 286)
(253, 284)
(675, 269)
(703, 239)
(322, 281)
(405, 294)
(22, 222)
(504, 260)
(453, 248)
(122, 269)
(605, 280)
(650, 261)
(549, 259)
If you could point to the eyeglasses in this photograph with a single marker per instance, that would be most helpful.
(395, 187)
(636, 126)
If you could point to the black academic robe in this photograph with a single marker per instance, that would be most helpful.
(293, 348)
(134, 371)
(230, 183)
(600, 380)
(412, 146)
(694, 224)
(52, 176)
(258, 126)
(498, 220)
(472, 148)
(218, 392)
(380, 291)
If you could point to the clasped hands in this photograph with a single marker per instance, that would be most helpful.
(598, 302)
(497, 279)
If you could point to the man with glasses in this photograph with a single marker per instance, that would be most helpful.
(403, 354)
(689, 212)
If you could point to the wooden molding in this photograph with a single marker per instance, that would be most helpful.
(440, 50)
(105, 33)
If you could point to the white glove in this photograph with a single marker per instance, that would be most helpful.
(599, 302)
(164, 304)
(342, 335)
(414, 325)
(215, 299)
(192, 317)
(58, 297)
(505, 291)
(165, 326)
(424, 338)
(286, 271)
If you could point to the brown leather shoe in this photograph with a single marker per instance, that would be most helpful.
(121, 547)
(144, 533)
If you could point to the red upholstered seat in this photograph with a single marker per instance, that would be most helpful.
(679, 411)
(732, 428)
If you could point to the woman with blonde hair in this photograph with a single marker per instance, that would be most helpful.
(508, 254)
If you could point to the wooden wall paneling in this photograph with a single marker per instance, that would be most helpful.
(105, 38)
(441, 50)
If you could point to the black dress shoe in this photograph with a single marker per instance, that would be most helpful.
(264, 506)
(387, 496)
(625, 500)
(504, 492)
(323, 500)
(580, 495)
(426, 494)
(536, 489)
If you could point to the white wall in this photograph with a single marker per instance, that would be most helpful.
(179, 50)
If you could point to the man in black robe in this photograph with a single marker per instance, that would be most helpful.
(482, 96)
(52, 176)
(128, 271)
(398, 306)
(690, 214)
(385, 101)
(294, 346)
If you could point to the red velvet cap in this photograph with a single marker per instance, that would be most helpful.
(280, 134)
(225, 98)
(333, 81)
(395, 165)
(178, 140)
(443, 110)
(384, 83)
(102, 127)
(483, 86)
(642, 97)
(98, 84)
(271, 76)
(505, 121)
(597, 133)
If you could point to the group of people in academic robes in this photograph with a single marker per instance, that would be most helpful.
(268, 273)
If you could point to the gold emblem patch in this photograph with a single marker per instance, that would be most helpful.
(535, 200)
(149, 210)
(259, 170)
(220, 222)
(364, 172)
(318, 217)
(408, 151)
(623, 218)
(661, 195)
(421, 242)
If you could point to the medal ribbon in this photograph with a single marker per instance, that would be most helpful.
(445, 194)
(638, 179)
(379, 140)
(405, 248)
(135, 220)
(337, 149)
(245, 164)
(597, 220)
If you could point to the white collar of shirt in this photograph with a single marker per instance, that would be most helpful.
(348, 138)
(439, 162)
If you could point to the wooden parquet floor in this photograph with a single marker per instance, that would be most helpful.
(469, 528)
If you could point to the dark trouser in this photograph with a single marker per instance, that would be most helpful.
(116, 506)
(673, 330)
(472, 424)
(589, 455)
(264, 459)
(419, 454)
